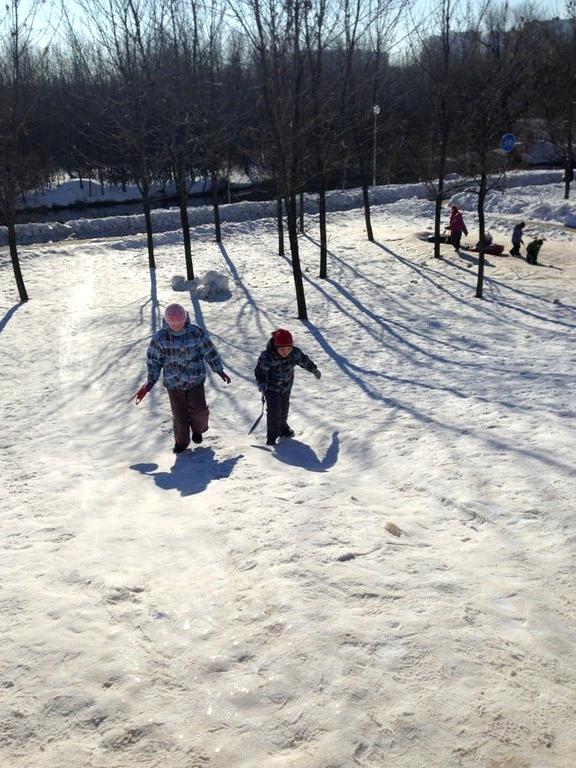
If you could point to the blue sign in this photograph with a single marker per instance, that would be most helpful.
(507, 142)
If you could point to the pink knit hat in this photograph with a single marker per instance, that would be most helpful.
(174, 314)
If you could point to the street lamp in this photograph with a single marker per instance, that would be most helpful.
(376, 112)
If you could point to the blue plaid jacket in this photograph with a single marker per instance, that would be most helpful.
(183, 356)
(277, 373)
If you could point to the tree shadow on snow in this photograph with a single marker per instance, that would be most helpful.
(191, 473)
(262, 318)
(155, 314)
(299, 454)
(7, 317)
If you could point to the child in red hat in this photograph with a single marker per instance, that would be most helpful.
(275, 375)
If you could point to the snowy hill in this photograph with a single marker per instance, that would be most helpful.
(242, 606)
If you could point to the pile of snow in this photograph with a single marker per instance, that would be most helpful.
(168, 220)
(90, 192)
(211, 286)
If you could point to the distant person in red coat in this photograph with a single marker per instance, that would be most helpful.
(457, 227)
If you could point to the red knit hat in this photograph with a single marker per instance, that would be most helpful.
(282, 338)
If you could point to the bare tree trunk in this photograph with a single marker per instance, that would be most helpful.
(280, 221)
(440, 192)
(366, 199)
(301, 212)
(216, 206)
(344, 172)
(568, 175)
(322, 223)
(183, 201)
(148, 220)
(437, 220)
(228, 182)
(481, 227)
(296, 268)
(16, 261)
(569, 168)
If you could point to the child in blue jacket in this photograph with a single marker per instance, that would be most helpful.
(181, 351)
(274, 374)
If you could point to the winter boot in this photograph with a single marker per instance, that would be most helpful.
(179, 447)
(197, 437)
(287, 432)
(271, 441)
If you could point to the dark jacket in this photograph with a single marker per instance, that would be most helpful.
(517, 234)
(533, 249)
(276, 373)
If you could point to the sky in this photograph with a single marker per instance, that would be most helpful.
(50, 14)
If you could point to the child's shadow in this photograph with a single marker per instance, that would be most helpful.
(191, 472)
(301, 455)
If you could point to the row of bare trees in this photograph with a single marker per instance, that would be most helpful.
(156, 90)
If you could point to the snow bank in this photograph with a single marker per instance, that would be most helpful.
(166, 220)
(83, 191)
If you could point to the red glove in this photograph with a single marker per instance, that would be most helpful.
(142, 392)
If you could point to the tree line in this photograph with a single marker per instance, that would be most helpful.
(312, 94)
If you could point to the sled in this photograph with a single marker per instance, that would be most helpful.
(443, 239)
(492, 250)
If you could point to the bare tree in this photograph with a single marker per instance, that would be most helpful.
(20, 92)
(367, 33)
(320, 33)
(440, 62)
(180, 98)
(553, 79)
(275, 33)
(130, 39)
(491, 84)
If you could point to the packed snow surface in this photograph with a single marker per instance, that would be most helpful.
(394, 587)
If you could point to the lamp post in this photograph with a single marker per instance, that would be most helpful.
(375, 112)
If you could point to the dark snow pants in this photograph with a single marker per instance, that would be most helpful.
(278, 405)
(454, 240)
(189, 412)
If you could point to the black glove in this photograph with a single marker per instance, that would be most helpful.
(317, 373)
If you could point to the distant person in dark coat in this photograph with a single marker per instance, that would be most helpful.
(517, 239)
(457, 227)
(274, 374)
(532, 251)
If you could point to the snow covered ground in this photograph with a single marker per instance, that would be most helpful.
(242, 606)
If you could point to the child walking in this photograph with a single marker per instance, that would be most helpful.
(275, 375)
(182, 350)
